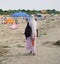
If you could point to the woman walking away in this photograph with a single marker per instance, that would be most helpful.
(31, 39)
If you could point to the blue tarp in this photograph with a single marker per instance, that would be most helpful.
(20, 14)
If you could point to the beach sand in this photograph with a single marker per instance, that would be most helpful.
(12, 44)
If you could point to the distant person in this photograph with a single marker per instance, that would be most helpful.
(4, 19)
(31, 38)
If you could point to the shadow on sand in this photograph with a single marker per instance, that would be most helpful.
(19, 55)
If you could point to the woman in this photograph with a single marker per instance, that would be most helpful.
(31, 40)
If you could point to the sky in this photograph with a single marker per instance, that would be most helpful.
(30, 4)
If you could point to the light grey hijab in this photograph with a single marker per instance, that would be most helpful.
(33, 25)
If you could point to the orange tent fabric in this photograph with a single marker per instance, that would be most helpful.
(10, 21)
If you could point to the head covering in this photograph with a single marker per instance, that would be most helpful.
(33, 25)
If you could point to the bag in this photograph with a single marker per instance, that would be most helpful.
(28, 31)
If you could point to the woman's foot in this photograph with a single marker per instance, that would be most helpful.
(30, 52)
(33, 54)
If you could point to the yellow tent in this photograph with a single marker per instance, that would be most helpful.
(10, 21)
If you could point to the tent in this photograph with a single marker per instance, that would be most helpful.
(38, 15)
(10, 21)
(20, 14)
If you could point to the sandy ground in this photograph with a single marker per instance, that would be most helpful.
(12, 44)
